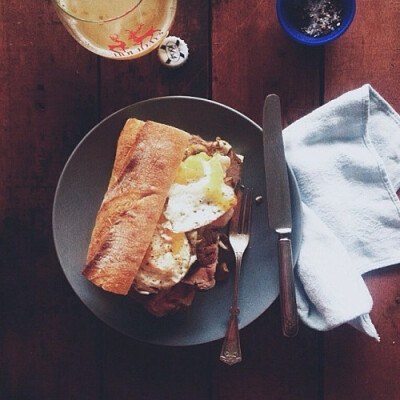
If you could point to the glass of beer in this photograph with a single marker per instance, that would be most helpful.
(117, 29)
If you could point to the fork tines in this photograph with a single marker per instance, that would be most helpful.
(241, 219)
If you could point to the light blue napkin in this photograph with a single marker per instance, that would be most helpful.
(346, 159)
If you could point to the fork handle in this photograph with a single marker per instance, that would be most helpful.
(231, 352)
(287, 290)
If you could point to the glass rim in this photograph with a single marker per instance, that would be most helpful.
(97, 21)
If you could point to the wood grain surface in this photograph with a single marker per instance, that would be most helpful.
(53, 91)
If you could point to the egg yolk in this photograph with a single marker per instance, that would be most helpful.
(201, 165)
(191, 169)
(215, 184)
(177, 241)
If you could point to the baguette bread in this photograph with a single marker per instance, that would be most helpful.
(147, 159)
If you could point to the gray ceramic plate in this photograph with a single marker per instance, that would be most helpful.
(80, 191)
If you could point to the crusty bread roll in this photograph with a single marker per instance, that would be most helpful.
(147, 159)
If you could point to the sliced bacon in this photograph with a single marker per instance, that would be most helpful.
(166, 302)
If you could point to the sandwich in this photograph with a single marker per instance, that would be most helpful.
(157, 233)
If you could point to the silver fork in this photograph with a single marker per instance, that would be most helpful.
(239, 236)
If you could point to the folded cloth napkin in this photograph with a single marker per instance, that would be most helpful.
(346, 159)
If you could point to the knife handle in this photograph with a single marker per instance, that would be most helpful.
(286, 286)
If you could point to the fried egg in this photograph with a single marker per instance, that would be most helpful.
(199, 194)
(198, 197)
(166, 262)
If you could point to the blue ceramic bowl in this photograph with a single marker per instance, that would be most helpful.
(284, 10)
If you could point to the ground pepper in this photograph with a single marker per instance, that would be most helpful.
(318, 17)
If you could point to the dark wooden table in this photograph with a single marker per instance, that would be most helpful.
(52, 91)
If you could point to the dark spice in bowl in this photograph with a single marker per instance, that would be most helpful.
(317, 18)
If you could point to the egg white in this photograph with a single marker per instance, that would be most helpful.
(167, 261)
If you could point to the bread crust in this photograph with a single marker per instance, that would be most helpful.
(147, 159)
(125, 146)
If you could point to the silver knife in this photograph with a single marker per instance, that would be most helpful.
(279, 209)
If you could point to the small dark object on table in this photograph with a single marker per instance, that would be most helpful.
(318, 17)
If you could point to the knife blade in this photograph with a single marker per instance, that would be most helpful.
(279, 209)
